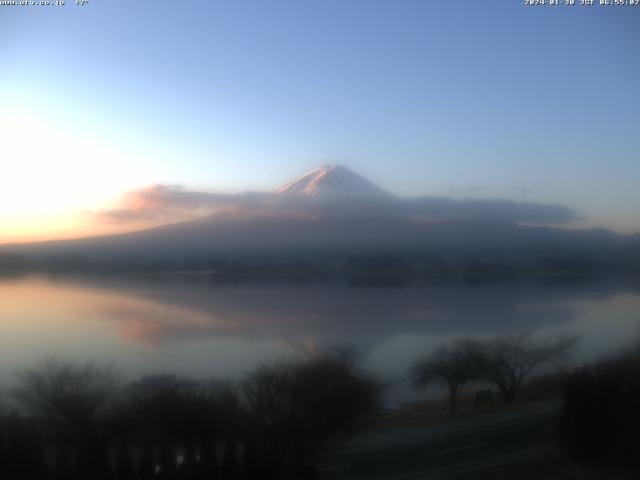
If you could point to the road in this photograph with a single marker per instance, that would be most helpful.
(507, 450)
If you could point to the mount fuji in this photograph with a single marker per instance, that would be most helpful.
(334, 211)
(333, 181)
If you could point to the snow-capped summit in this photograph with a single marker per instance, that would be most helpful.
(332, 180)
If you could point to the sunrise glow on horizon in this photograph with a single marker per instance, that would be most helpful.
(423, 100)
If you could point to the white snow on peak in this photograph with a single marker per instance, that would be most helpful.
(332, 180)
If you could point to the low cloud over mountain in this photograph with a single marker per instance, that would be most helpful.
(330, 191)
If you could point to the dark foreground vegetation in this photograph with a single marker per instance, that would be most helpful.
(600, 423)
(68, 421)
(599, 427)
(78, 422)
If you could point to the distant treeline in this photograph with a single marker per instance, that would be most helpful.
(355, 270)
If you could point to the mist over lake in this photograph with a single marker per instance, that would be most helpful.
(188, 326)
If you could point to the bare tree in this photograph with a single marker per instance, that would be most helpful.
(511, 357)
(74, 399)
(295, 407)
(453, 365)
(64, 390)
(73, 393)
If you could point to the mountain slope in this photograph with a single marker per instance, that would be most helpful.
(285, 236)
(324, 212)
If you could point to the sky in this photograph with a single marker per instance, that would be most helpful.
(464, 99)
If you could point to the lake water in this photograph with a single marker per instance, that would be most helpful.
(191, 327)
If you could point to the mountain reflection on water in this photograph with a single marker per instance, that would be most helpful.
(194, 328)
